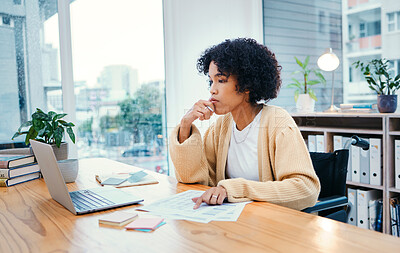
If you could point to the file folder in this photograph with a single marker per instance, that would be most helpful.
(337, 142)
(363, 198)
(312, 143)
(375, 161)
(355, 164)
(352, 196)
(349, 169)
(397, 163)
(320, 143)
(364, 166)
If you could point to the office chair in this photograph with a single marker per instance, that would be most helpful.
(331, 169)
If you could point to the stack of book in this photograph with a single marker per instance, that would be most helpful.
(16, 169)
(358, 108)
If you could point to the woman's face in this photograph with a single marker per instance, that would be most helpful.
(223, 91)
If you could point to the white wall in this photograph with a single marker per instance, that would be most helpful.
(191, 26)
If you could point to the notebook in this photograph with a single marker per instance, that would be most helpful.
(145, 223)
(118, 218)
(82, 201)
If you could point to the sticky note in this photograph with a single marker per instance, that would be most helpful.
(144, 223)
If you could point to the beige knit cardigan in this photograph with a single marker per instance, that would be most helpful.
(286, 174)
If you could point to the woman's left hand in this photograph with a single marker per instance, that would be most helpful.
(213, 196)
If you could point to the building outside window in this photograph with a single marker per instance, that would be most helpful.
(118, 65)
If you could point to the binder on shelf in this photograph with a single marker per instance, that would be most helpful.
(355, 164)
(364, 166)
(352, 216)
(375, 161)
(337, 142)
(363, 198)
(312, 143)
(393, 217)
(349, 170)
(320, 143)
(397, 163)
(375, 215)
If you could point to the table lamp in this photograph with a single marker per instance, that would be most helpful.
(328, 61)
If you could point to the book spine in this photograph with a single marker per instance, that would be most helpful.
(4, 164)
(4, 173)
(379, 216)
(357, 106)
(3, 182)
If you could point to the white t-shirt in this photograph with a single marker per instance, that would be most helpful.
(242, 153)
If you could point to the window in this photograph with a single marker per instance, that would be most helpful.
(394, 68)
(363, 32)
(391, 22)
(30, 63)
(119, 81)
(303, 28)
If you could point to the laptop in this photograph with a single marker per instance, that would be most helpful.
(82, 201)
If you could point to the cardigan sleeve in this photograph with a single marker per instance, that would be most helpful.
(193, 159)
(296, 185)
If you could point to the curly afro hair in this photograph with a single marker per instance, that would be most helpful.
(254, 66)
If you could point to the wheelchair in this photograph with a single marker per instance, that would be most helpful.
(331, 169)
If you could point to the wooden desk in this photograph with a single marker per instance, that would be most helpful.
(32, 222)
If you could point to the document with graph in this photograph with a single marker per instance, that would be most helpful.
(180, 207)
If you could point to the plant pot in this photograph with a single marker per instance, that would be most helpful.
(61, 152)
(305, 103)
(387, 103)
(69, 169)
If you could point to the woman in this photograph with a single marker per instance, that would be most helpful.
(255, 151)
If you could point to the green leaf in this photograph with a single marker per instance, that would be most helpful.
(296, 95)
(312, 94)
(26, 124)
(64, 123)
(32, 133)
(299, 62)
(294, 85)
(16, 135)
(58, 134)
(41, 116)
(397, 78)
(71, 134)
(313, 82)
(59, 116)
(306, 61)
(51, 114)
(38, 124)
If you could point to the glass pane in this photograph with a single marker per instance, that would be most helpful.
(364, 48)
(119, 81)
(304, 28)
(391, 17)
(398, 20)
(29, 66)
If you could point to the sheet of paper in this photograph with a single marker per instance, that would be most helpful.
(180, 206)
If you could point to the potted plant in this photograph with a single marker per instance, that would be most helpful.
(49, 128)
(376, 73)
(305, 96)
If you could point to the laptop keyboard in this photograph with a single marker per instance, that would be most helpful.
(88, 200)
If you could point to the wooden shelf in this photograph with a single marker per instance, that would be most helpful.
(367, 125)
(392, 189)
(376, 187)
(340, 130)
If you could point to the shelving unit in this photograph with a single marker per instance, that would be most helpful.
(367, 125)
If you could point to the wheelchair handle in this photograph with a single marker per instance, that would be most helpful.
(357, 141)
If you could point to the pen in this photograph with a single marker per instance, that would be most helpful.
(98, 180)
(209, 108)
